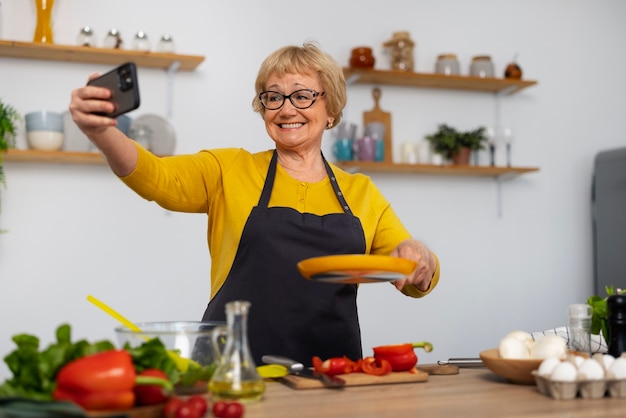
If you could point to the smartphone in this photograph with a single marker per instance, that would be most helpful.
(122, 81)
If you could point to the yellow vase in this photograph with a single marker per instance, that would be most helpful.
(43, 31)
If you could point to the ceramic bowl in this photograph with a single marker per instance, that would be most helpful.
(44, 130)
(514, 370)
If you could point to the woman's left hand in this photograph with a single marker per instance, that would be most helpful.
(426, 264)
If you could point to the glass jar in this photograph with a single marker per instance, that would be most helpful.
(362, 58)
(113, 39)
(401, 51)
(166, 45)
(482, 67)
(447, 64)
(141, 42)
(85, 37)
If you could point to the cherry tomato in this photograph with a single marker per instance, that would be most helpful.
(219, 407)
(186, 411)
(171, 407)
(199, 403)
(233, 410)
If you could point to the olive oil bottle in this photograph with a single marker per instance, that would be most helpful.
(236, 377)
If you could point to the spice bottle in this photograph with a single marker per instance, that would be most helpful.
(580, 327)
(401, 51)
(616, 320)
(235, 376)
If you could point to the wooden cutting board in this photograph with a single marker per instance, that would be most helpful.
(357, 379)
(378, 115)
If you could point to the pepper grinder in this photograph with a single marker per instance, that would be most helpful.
(616, 305)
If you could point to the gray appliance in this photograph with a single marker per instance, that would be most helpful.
(608, 199)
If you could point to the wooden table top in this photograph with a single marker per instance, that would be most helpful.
(474, 392)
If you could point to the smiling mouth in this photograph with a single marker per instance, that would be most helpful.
(290, 125)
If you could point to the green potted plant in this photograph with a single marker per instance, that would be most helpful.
(9, 117)
(456, 145)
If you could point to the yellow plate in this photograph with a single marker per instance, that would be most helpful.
(356, 268)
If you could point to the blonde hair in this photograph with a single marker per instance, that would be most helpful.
(301, 60)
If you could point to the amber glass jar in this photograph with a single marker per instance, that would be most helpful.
(362, 58)
(401, 51)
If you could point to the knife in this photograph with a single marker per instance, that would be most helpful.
(298, 369)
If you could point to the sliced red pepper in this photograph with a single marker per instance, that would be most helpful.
(99, 381)
(374, 367)
(333, 366)
(150, 394)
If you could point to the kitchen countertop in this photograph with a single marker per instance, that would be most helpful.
(474, 392)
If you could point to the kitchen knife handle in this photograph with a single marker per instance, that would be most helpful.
(283, 361)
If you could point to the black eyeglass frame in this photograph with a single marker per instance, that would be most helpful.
(315, 94)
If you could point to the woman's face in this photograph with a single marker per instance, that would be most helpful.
(294, 128)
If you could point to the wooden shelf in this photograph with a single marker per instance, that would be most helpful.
(53, 157)
(440, 170)
(439, 81)
(53, 52)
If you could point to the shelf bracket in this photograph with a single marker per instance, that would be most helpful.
(169, 105)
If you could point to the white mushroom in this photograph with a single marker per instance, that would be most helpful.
(549, 346)
(515, 345)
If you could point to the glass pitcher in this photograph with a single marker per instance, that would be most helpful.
(236, 377)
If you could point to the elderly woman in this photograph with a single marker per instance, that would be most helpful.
(269, 210)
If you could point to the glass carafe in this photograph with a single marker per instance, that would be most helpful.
(235, 377)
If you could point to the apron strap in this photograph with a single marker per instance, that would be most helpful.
(264, 200)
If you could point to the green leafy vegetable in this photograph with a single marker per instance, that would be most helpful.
(34, 371)
(599, 323)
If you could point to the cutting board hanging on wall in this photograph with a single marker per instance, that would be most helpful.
(379, 115)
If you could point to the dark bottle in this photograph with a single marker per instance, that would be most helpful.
(616, 305)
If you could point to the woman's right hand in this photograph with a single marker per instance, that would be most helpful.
(86, 102)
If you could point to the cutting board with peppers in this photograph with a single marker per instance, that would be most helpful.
(358, 379)
(138, 412)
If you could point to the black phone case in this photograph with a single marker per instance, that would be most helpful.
(122, 81)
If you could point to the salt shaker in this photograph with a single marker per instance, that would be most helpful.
(579, 327)
(616, 339)
(166, 44)
(113, 39)
(141, 42)
(85, 37)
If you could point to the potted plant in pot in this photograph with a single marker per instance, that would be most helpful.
(455, 145)
(9, 117)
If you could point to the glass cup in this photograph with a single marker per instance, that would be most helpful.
(579, 316)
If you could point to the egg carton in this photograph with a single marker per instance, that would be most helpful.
(586, 389)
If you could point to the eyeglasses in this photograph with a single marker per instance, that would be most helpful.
(300, 99)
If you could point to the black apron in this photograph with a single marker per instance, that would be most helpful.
(289, 315)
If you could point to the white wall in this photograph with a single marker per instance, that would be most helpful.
(76, 230)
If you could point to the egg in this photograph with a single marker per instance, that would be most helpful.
(607, 360)
(547, 366)
(590, 369)
(549, 346)
(564, 372)
(618, 369)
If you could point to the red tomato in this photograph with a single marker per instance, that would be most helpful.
(219, 407)
(171, 407)
(233, 410)
(151, 394)
(187, 411)
(199, 403)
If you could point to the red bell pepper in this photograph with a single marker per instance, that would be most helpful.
(151, 394)
(99, 381)
(402, 357)
(333, 365)
(103, 381)
(375, 367)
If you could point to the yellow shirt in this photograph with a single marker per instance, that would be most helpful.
(226, 183)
